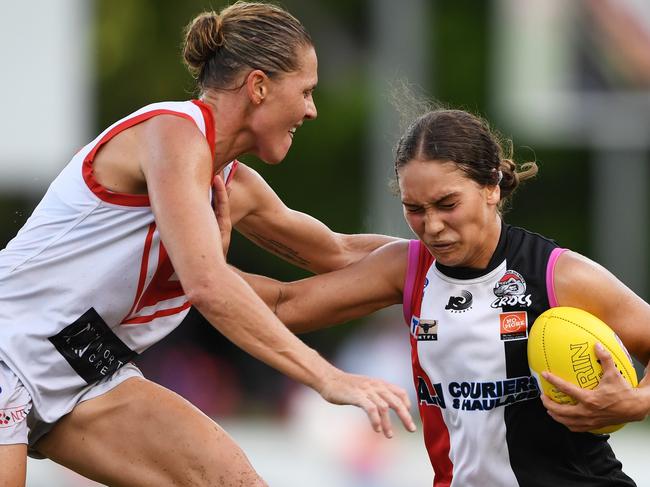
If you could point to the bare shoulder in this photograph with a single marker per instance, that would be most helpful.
(573, 267)
(577, 277)
(172, 133)
(582, 283)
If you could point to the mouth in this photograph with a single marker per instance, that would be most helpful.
(442, 246)
(292, 131)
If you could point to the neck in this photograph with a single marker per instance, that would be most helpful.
(492, 236)
(232, 138)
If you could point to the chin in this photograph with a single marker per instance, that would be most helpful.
(274, 157)
(448, 259)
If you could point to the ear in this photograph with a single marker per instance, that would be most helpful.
(493, 194)
(257, 86)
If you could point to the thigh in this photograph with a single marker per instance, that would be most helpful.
(15, 404)
(13, 461)
(141, 434)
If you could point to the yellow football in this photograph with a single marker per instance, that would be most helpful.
(562, 341)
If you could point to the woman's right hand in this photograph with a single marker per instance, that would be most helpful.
(221, 207)
(376, 397)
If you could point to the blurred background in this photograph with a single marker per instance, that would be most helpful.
(568, 82)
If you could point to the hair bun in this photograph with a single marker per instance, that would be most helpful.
(203, 37)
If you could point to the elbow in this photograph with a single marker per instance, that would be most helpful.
(198, 295)
(202, 291)
(284, 308)
(341, 255)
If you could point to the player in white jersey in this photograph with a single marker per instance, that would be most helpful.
(126, 238)
(471, 288)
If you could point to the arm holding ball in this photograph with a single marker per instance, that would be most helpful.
(582, 283)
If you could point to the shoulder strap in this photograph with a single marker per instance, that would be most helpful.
(419, 261)
(550, 275)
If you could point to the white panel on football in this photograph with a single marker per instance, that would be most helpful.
(44, 89)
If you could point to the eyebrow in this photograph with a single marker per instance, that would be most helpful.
(442, 198)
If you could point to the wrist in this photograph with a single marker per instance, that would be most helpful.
(326, 378)
(642, 402)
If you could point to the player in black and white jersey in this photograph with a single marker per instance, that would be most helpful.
(125, 239)
(471, 288)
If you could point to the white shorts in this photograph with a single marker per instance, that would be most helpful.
(15, 405)
(20, 424)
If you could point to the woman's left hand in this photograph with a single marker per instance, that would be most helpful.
(614, 401)
(222, 211)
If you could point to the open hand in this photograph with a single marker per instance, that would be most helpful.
(374, 396)
(613, 401)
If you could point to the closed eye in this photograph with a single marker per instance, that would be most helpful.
(413, 209)
(446, 206)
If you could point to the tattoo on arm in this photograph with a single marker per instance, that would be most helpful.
(279, 248)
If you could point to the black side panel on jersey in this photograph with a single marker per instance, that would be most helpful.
(91, 348)
(543, 452)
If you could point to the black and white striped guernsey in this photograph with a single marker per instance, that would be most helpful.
(484, 424)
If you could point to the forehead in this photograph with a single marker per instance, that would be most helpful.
(421, 181)
(307, 73)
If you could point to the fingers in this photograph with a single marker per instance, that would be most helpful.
(222, 211)
(612, 402)
(399, 401)
(375, 397)
(374, 415)
(220, 199)
(606, 360)
(381, 401)
(568, 388)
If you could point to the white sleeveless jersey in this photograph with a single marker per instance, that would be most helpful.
(86, 284)
(483, 421)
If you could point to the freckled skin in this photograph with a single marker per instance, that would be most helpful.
(141, 434)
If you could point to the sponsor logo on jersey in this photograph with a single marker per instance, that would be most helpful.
(513, 325)
(478, 396)
(14, 415)
(426, 282)
(430, 394)
(424, 330)
(484, 396)
(91, 348)
(510, 290)
(460, 304)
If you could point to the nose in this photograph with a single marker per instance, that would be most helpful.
(433, 224)
(310, 108)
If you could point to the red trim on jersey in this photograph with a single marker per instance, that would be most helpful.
(233, 170)
(160, 287)
(123, 199)
(143, 267)
(206, 111)
(436, 434)
(160, 313)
